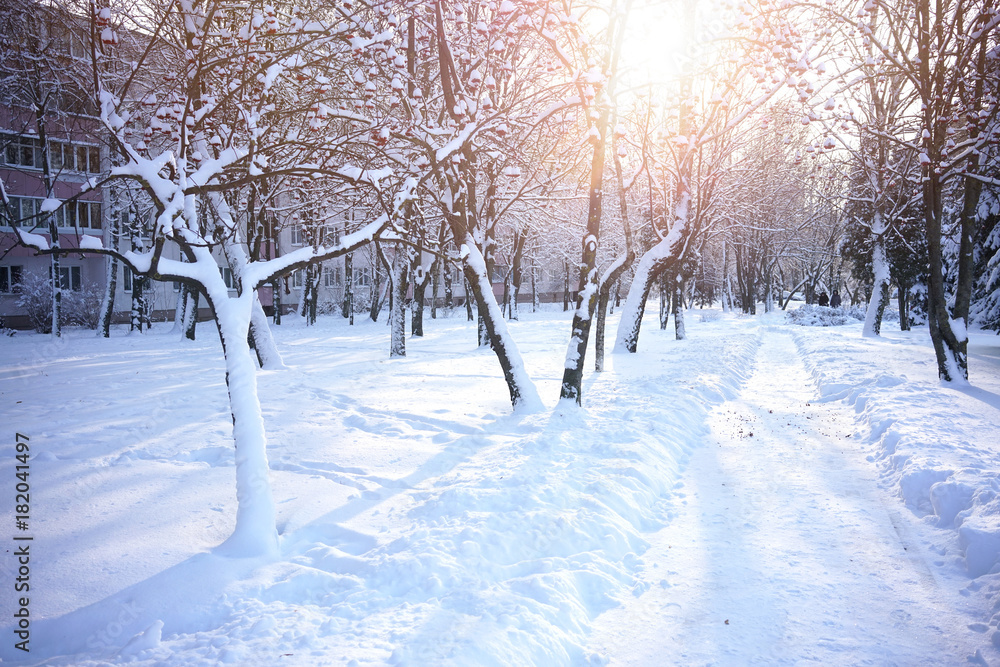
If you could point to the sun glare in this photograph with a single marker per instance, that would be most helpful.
(655, 48)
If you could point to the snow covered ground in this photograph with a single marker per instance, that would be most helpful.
(761, 493)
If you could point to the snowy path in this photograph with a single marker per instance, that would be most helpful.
(784, 550)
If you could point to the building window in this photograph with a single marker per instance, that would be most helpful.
(499, 273)
(74, 157)
(26, 210)
(79, 214)
(27, 152)
(332, 276)
(126, 279)
(227, 276)
(69, 278)
(74, 214)
(10, 279)
(95, 216)
(22, 151)
(65, 42)
(297, 277)
(362, 277)
(297, 236)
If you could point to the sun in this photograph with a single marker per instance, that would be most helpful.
(655, 47)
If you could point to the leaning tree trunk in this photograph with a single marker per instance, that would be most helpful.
(650, 266)
(613, 274)
(523, 395)
(653, 262)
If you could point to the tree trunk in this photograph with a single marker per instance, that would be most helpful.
(435, 287)
(534, 289)
(514, 285)
(586, 298)
(397, 309)
(255, 532)
(650, 266)
(191, 313)
(261, 338)
(376, 290)
(678, 307)
(768, 292)
(664, 303)
(880, 288)
(903, 302)
(179, 310)
(505, 299)
(421, 276)
(724, 282)
(136, 314)
(449, 289)
(523, 395)
(261, 341)
(276, 306)
(468, 302)
(347, 306)
(108, 300)
(312, 277)
(612, 277)
(565, 285)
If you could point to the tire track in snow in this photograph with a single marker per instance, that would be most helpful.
(782, 550)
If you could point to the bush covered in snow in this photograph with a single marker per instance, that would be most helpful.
(36, 300)
(824, 316)
(710, 315)
(79, 308)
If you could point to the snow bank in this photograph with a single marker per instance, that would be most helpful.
(823, 316)
(935, 445)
